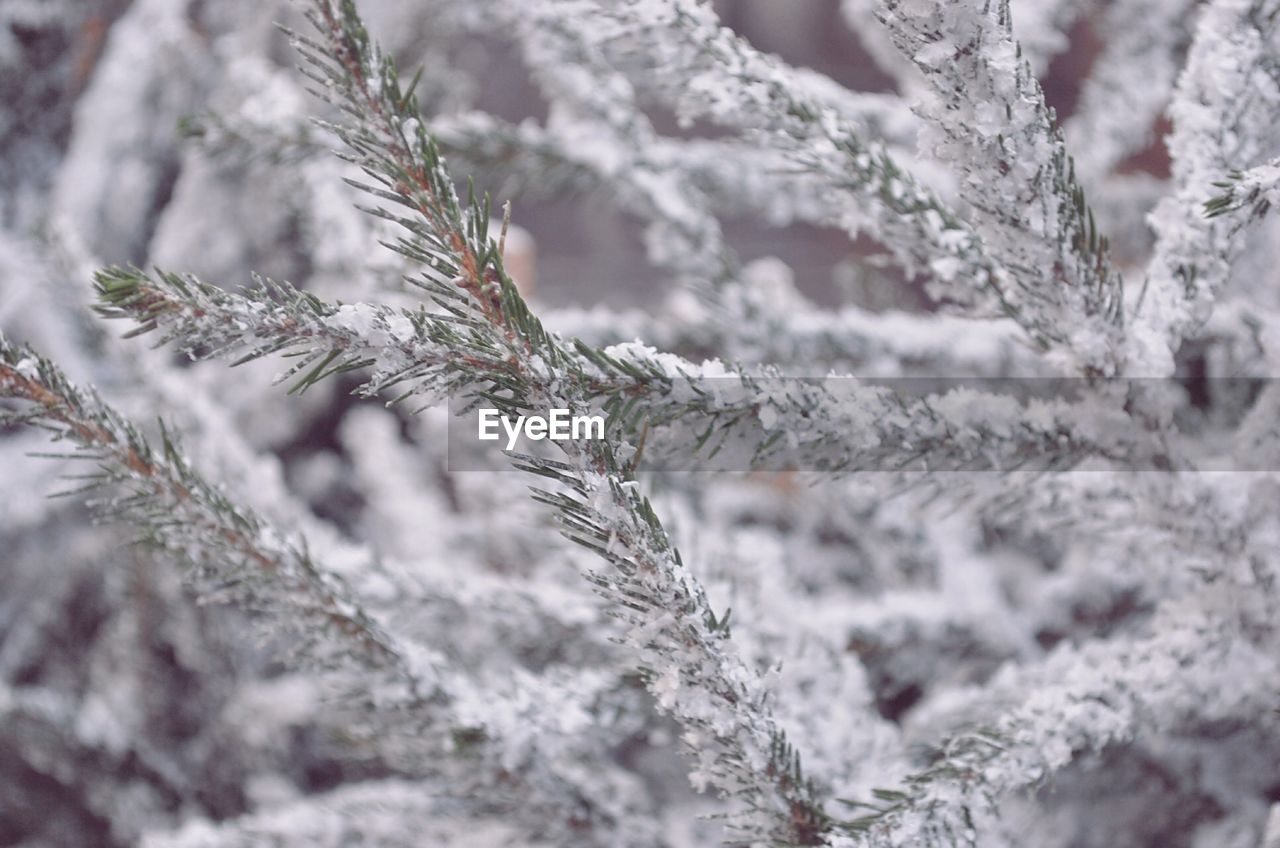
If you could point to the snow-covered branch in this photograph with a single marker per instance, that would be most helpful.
(1189, 667)
(843, 659)
(991, 122)
(725, 80)
(231, 552)
(681, 644)
(1224, 115)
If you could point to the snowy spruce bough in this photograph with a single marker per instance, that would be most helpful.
(989, 620)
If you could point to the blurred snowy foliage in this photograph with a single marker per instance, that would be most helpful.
(329, 639)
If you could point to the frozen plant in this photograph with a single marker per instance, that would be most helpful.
(996, 569)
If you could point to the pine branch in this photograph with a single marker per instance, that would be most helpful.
(685, 236)
(1187, 668)
(711, 72)
(844, 424)
(591, 100)
(835, 424)
(736, 177)
(427, 351)
(991, 120)
(1224, 116)
(674, 629)
(412, 352)
(234, 556)
(486, 333)
(725, 80)
(230, 551)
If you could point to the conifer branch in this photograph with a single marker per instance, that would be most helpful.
(678, 637)
(234, 556)
(1224, 116)
(963, 642)
(991, 120)
(725, 80)
(1069, 711)
(834, 424)
(230, 551)
(672, 184)
(591, 99)
(680, 640)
